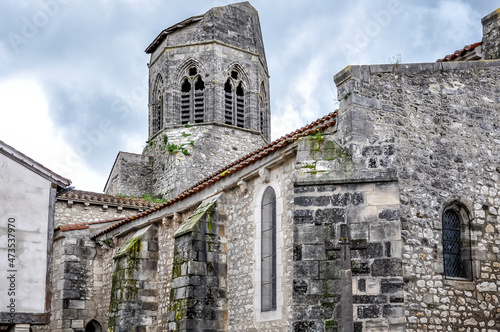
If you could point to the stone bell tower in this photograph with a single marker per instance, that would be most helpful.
(210, 69)
(208, 102)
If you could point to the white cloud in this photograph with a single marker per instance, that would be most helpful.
(27, 125)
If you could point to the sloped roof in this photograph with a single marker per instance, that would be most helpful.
(251, 158)
(460, 53)
(34, 166)
(161, 37)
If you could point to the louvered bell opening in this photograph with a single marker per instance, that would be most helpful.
(240, 112)
(199, 106)
(185, 107)
(228, 108)
(452, 245)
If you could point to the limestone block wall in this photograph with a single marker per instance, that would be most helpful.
(443, 119)
(347, 235)
(184, 156)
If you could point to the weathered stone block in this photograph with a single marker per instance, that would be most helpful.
(312, 201)
(306, 234)
(306, 270)
(303, 216)
(386, 267)
(334, 215)
(329, 270)
(372, 311)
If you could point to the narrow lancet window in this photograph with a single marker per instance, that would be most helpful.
(268, 250)
(199, 100)
(185, 101)
(240, 107)
(228, 103)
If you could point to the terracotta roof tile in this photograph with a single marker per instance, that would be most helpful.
(84, 225)
(467, 48)
(320, 124)
(104, 198)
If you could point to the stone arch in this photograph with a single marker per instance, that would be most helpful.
(181, 73)
(93, 326)
(243, 77)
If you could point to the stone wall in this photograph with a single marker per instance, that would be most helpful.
(242, 206)
(83, 209)
(443, 121)
(131, 175)
(134, 287)
(184, 156)
(347, 236)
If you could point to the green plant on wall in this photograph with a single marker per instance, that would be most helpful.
(174, 148)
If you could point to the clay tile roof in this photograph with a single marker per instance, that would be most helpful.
(467, 48)
(84, 225)
(251, 158)
(80, 195)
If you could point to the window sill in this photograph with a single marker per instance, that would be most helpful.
(461, 283)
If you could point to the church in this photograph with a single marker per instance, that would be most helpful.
(380, 216)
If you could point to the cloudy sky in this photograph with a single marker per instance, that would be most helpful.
(73, 74)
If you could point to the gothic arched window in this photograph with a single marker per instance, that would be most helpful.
(263, 113)
(192, 100)
(456, 243)
(157, 112)
(234, 101)
(268, 250)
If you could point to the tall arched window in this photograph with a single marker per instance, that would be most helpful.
(263, 113)
(234, 101)
(192, 100)
(268, 250)
(456, 243)
(158, 106)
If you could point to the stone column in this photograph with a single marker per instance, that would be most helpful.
(22, 328)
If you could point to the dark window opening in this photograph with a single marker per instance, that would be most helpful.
(268, 250)
(234, 75)
(193, 71)
(93, 326)
(456, 244)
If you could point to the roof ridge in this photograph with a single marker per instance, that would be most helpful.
(231, 168)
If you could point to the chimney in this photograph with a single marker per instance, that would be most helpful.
(491, 35)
